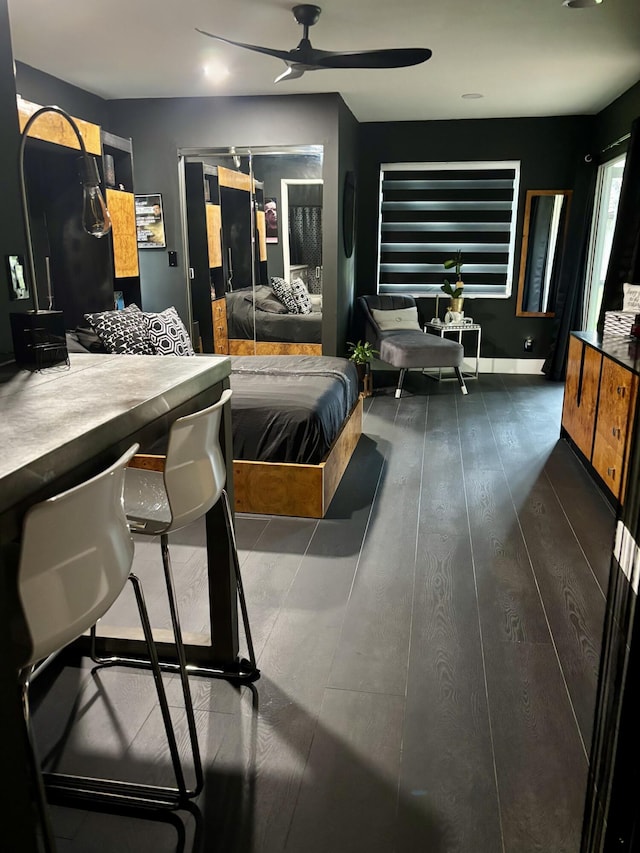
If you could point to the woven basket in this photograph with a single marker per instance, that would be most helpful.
(618, 322)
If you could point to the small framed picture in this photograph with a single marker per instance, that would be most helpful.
(18, 288)
(271, 219)
(150, 221)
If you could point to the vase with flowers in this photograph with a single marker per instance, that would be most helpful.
(455, 290)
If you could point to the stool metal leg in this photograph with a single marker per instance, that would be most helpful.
(129, 793)
(180, 667)
(403, 370)
(463, 387)
(40, 798)
(228, 518)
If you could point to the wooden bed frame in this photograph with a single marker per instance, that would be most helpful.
(286, 488)
(289, 488)
(238, 346)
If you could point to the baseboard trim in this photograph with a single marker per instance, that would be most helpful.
(487, 365)
(511, 365)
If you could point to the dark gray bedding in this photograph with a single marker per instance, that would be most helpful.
(289, 408)
(285, 328)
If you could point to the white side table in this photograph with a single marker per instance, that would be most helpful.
(443, 329)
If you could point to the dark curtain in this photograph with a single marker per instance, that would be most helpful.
(570, 292)
(305, 237)
(624, 261)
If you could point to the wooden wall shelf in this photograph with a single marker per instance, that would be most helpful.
(52, 127)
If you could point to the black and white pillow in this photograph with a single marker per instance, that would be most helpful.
(122, 331)
(301, 296)
(283, 291)
(167, 333)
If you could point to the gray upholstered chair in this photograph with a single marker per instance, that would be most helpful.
(400, 340)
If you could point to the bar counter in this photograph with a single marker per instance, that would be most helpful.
(58, 427)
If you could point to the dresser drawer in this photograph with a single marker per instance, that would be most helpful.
(617, 396)
(608, 461)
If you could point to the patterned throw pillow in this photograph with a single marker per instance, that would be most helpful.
(283, 291)
(167, 333)
(122, 331)
(301, 296)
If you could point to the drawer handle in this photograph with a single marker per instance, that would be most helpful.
(621, 390)
(615, 432)
(611, 472)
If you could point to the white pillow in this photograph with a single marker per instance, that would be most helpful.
(631, 298)
(301, 296)
(397, 318)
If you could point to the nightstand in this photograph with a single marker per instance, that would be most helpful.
(458, 329)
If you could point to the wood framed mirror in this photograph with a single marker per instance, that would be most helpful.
(546, 216)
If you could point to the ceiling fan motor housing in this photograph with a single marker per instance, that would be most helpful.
(306, 14)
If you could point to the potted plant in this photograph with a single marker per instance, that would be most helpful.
(454, 290)
(361, 354)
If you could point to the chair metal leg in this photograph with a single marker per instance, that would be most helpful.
(128, 793)
(228, 518)
(403, 370)
(181, 667)
(34, 766)
(463, 387)
(182, 662)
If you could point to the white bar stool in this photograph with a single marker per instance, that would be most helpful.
(75, 559)
(157, 502)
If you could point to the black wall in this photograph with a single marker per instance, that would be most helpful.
(549, 151)
(12, 238)
(161, 127)
(615, 121)
(45, 90)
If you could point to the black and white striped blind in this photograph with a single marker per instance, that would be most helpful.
(430, 210)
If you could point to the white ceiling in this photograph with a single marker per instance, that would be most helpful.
(527, 57)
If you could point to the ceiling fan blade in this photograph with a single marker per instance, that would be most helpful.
(400, 57)
(279, 54)
(290, 74)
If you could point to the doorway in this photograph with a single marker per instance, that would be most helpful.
(605, 211)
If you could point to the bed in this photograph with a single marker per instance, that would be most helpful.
(296, 421)
(277, 332)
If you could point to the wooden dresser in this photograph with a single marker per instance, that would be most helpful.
(599, 404)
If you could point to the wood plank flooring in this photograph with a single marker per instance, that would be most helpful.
(429, 652)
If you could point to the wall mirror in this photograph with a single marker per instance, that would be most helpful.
(545, 223)
(263, 208)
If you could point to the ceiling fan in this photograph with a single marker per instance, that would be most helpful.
(304, 57)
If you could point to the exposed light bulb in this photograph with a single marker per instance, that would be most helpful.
(95, 216)
(96, 220)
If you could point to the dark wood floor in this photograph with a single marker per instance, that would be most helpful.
(429, 651)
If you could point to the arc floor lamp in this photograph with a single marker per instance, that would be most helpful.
(39, 335)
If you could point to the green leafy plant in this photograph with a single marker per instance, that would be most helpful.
(455, 292)
(361, 353)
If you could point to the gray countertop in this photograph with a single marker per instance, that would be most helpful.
(52, 419)
(621, 348)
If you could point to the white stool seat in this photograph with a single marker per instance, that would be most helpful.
(146, 501)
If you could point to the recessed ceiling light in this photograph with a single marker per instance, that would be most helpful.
(215, 71)
(580, 4)
(472, 96)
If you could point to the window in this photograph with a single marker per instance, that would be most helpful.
(605, 211)
(430, 210)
